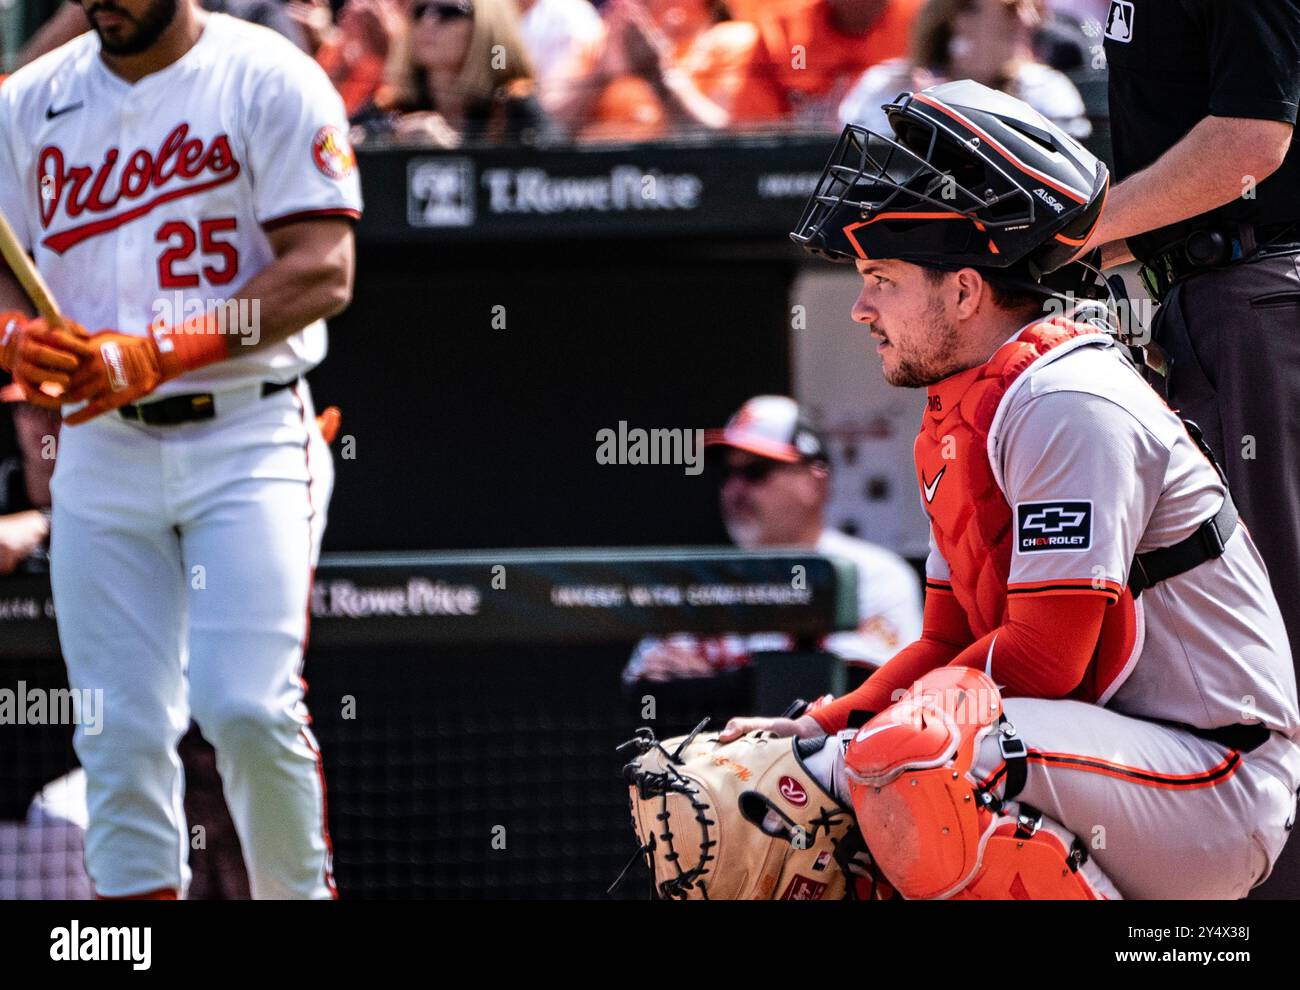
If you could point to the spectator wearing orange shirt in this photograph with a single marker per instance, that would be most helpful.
(668, 65)
(819, 48)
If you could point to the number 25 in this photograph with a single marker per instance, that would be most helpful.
(181, 241)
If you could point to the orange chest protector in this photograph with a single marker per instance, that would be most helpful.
(970, 518)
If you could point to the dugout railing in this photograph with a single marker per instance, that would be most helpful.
(468, 705)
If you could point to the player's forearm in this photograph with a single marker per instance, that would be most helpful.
(885, 686)
(290, 296)
(12, 295)
(1194, 176)
(1044, 647)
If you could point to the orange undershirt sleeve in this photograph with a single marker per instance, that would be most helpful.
(1042, 650)
(1044, 647)
(944, 632)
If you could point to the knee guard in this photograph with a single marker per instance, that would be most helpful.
(1030, 857)
(929, 827)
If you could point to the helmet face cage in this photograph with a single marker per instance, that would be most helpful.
(873, 177)
(940, 191)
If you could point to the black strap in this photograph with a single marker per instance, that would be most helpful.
(1235, 243)
(1207, 543)
(1015, 755)
(1028, 821)
(270, 388)
(858, 718)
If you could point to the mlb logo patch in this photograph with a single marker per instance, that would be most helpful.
(1043, 526)
(440, 192)
(1119, 21)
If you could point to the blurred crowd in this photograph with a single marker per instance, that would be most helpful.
(469, 72)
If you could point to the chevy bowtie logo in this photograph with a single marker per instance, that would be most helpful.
(1046, 526)
(1051, 520)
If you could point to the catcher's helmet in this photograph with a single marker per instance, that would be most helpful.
(972, 177)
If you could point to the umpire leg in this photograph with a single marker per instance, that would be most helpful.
(1233, 335)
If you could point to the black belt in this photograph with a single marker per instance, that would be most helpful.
(186, 408)
(1214, 247)
(1239, 736)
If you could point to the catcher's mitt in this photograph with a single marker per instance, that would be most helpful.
(742, 821)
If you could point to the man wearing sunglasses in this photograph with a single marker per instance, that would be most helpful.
(774, 475)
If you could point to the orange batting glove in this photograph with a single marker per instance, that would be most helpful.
(119, 368)
(41, 359)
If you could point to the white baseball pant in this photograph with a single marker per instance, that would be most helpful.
(182, 560)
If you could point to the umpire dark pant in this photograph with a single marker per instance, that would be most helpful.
(1233, 335)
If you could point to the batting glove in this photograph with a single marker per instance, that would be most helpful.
(41, 359)
(119, 368)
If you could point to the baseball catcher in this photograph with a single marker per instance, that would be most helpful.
(1103, 676)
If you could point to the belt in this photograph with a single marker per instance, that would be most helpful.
(1240, 737)
(1214, 247)
(187, 408)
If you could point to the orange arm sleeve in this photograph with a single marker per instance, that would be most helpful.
(1043, 648)
(944, 632)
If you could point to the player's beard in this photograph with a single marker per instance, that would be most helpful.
(147, 29)
(936, 363)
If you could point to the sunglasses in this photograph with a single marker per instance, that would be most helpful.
(755, 472)
(445, 11)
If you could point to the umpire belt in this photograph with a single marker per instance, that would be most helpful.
(1215, 247)
(193, 406)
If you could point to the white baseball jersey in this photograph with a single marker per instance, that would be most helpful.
(150, 201)
(1097, 468)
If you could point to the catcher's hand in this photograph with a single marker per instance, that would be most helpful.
(41, 359)
(804, 727)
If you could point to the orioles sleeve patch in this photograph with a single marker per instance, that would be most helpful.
(332, 153)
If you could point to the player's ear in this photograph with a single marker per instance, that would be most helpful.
(971, 291)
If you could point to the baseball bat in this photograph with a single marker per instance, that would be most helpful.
(28, 277)
(33, 284)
